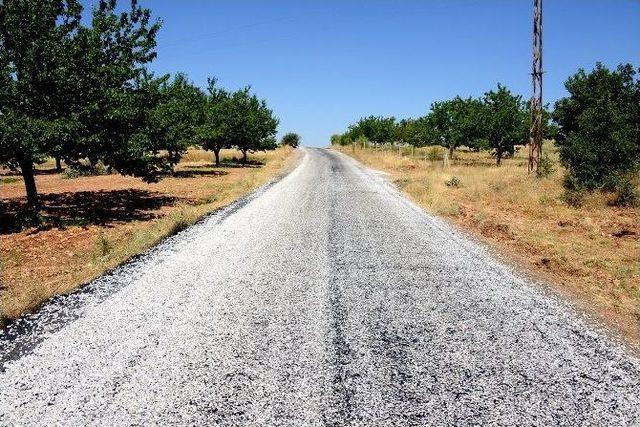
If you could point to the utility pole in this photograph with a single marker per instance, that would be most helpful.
(535, 132)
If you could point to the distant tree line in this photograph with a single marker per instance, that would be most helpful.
(596, 128)
(497, 122)
(82, 93)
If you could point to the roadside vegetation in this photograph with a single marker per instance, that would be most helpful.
(575, 223)
(100, 158)
(83, 95)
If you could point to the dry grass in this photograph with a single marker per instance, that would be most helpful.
(98, 222)
(590, 254)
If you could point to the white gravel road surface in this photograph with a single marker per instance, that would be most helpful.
(326, 298)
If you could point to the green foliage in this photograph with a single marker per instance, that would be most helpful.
(114, 92)
(546, 167)
(104, 246)
(268, 143)
(626, 194)
(173, 120)
(375, 129)
(342, 139)
(236, 119)
(574, 197)
(415, 132)
(246, 123)
(481, 144)
(85, 169)
(457, 122)
(75, 91)
(36, 38)
(599, 124)
(624, 188)
(504, 121)
(435, 153)
(291, 139)
(212, 132)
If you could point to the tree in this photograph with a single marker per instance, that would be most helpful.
(336, 139)
(416, 132)
(250, 124)
(72, 91)
(291, 139)
(599, 125)
(173, 121)
(35, 39)
(376, 129)
(457, 122)
(114, 94)
(213, 133)
(504, 121)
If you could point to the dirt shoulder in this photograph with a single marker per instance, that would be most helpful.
(589, 254)
(95, 223)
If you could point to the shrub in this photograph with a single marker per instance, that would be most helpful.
(434, 153)
(626, 193)
(104, 246)
(545, 200)
(83, 169)
(574, 197)
(546, 167)
(453, 182)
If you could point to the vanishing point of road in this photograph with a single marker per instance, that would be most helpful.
(325, 298)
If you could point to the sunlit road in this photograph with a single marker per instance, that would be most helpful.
(326, 299)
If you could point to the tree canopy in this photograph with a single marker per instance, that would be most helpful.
(80, 91)
(376, 129)
(457, 122)
(236, 119)
(291, 139)
(174, 119)
(75, 91)
(504, 121)
(599, 125)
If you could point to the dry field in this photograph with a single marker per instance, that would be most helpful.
(590, 254)
(94, 223)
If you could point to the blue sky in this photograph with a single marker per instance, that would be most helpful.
(323, 64)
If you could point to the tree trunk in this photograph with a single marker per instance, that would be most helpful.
(244, 157)
(217, 154)
(33, 202)
(58, 164)
(498, 158)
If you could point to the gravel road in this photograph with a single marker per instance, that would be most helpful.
(325, 299)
